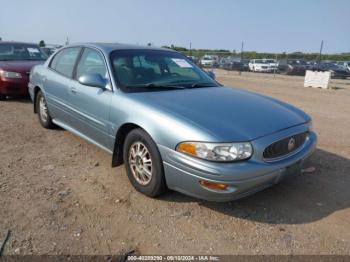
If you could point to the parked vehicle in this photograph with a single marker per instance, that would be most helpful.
(262, 65)
(336, 70)
(208, 61)
(194, 59)
(234, 63)
(310, 65)
(345, 64)
(272, 62)
(231, 63)
(245, 64)
(292, 67)
(16, 61)
(50, 49)
(171, 124)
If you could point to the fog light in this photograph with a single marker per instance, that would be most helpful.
(215, 186)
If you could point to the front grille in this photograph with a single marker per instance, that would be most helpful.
(285, 146)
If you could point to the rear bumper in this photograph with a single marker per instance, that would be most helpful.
(14, 87)
(183, 173)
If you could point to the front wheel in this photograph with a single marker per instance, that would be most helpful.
(143, 163)
(2, 97)
(43, 112)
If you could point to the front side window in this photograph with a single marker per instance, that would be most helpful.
(21, 52)
(91, 62)
(144, 70)
(64, 61)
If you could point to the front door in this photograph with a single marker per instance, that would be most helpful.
(91, 104)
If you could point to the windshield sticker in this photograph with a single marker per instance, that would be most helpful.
(33, 50)
(182, 62)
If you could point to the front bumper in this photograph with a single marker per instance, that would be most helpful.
(14, 86)
(183, 172)
(265, 70)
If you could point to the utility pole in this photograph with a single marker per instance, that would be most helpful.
(240, 69)
(274, 70)
(67, 41)
(319, 56)
(190, 49)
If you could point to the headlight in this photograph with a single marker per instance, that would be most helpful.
(223, 152)
(6, 74)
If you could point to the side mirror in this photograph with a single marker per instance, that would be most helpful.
(95, 80)
(211, 74)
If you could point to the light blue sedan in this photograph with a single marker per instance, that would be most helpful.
(169, 122)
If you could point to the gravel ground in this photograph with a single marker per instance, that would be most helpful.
(59, 195)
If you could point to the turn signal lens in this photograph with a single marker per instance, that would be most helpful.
(210, 185)
(187, 148)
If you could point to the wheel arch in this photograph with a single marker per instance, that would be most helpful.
(123, 131)
(36, 91)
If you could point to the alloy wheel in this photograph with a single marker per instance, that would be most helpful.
(140, 163)
(43, 109)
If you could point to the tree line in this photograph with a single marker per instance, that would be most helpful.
(259, 55)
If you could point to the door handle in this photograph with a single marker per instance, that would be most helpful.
(73, 90)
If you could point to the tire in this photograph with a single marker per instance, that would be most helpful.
(43, 112)
(147, 178)
(2, 97)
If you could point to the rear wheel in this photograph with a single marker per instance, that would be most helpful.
(2, 97)
(143, 163)
(43, 112)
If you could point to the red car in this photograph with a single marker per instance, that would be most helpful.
(16, 61)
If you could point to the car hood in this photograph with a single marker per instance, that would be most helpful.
(19, 66)
(228, 114)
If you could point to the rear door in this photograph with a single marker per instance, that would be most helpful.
(91, 104)
(58, 81)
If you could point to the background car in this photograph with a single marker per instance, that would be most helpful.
(336, 70)
(262, 65)
(345, 64)
(50, 49)
(16, 61)
(231, 63)
(208, 61)
(245, 64)
(194, 59)
(292, 67)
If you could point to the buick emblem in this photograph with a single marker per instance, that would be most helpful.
(291, 144)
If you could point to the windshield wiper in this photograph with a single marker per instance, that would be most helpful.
(202, 84)
(152, 85)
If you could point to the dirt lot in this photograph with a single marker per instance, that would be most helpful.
(59, 195)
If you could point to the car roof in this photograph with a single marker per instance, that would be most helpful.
(109, 47)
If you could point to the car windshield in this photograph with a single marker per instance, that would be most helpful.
(20, 52)
(330, 66)
(261, 62)
(145, 70)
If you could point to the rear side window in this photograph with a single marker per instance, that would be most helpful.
(91, 62)
(64, 61)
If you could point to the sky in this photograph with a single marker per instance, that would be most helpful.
(263, 25)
